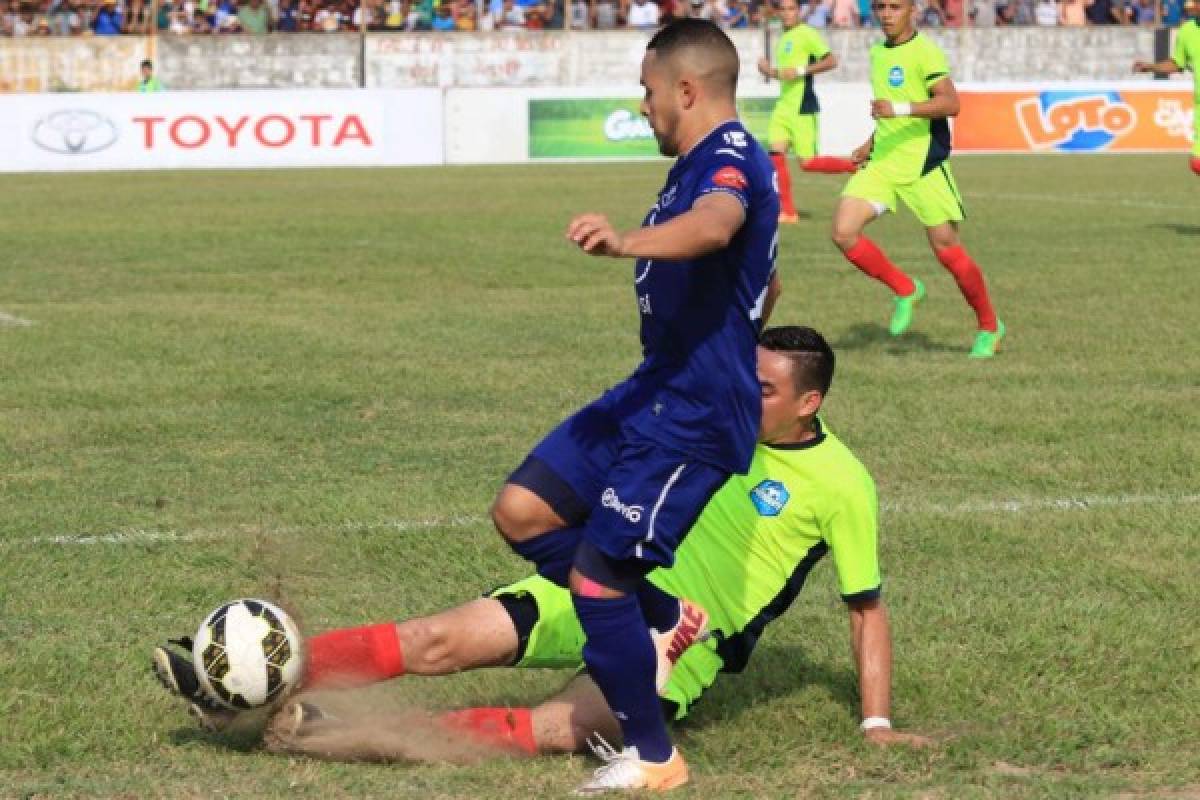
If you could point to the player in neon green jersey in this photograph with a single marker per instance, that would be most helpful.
(800, 54)
(907, 157)
(1186, 56)
(745, 560)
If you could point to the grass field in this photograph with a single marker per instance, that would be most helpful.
(308, 385)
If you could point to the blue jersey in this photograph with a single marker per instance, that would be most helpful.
(700, 319)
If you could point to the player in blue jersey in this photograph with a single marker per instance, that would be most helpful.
(609, 494)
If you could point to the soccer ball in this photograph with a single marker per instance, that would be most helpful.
(248, 653)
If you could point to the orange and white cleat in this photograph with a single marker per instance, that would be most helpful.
(626, 771)
(671, 644)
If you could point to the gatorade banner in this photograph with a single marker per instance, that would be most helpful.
(611, 127)
(1075, 120)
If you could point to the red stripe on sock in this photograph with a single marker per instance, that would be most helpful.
(785, 183)
(970, 282)
(870, 259)
(508, 728)
(354, 657)
(1196, 165)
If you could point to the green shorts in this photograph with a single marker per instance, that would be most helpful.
(556, 641)
(800, 131)
(933, 197)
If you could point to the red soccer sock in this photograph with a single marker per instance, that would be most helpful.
(1196, 165)
(870, 259)
(970, 282)
(507, 728)
(353, 657)
(785, 183)
(831, 165)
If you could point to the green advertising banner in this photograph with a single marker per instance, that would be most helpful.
(611, 127)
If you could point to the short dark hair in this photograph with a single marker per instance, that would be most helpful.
(811, 356)
(702, 34)
(148, 63)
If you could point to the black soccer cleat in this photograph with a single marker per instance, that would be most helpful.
(177, 674)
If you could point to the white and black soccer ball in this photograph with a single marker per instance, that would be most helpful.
(248, 654)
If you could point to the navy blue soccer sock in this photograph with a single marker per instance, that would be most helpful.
(552, 553)
(660, 609)
(621, 660)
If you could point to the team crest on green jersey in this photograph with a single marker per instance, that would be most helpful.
(896, 77)
(769, 498)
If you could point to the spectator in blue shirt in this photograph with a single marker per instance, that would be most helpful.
(108, 20)
(1172, 13)
(443, 20)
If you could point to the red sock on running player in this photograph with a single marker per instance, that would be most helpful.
(353, 657)
(1196, 165)
(785, 183)
(871, 260)
(969, 278)
(831, 165)
(508, 728)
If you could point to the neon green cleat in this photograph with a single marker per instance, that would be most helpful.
(903, 313)
(987, 343)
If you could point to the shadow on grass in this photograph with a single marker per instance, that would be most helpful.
(774, 672)
(1178, 228)
(867, 335)
(245, 739)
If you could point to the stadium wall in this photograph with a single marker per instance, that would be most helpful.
(522, 59)
(429, 126)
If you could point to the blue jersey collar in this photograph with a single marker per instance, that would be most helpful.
(721, 128)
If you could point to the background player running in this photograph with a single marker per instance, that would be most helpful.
(747, 557)
(800, 54)
(1186, 55)
(907, 157)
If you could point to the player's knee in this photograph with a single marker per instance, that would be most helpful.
(515, 517)
(429, 646)
(843, 236)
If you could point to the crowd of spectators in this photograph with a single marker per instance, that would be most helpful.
(114, 17)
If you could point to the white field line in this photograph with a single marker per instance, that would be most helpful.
(8, 320)
(1083, 503)
(1082, 199)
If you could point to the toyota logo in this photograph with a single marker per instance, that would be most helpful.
(74, 132)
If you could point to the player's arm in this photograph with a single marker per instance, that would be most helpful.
(942, 103)
(860, 154)
(708, 226)
(828, 62)
(1165, 67)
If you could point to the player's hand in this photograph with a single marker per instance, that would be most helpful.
(882, 109)
(764, 67)
(1140, 67)
(886, 737)
(596, 236)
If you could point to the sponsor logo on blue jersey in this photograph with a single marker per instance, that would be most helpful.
(769, 498)
(896, 77)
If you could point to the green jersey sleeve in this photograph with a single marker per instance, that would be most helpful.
(934, 65)
(818, 48)
(850, 529)
(1187, 45)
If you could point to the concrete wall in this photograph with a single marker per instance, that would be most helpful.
(595, 59)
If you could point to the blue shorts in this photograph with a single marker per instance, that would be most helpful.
(634, 497)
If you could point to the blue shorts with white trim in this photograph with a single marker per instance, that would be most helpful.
(640, 497)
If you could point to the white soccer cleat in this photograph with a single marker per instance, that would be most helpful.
(625, 771)
(670, 645)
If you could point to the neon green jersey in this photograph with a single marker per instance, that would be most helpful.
(748, 554)
(1187, 52)
(908, 147)
(797, 48)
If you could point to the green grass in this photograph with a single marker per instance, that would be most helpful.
(299, 366)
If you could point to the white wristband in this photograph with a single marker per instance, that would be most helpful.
(901, 110)
(871, 723)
